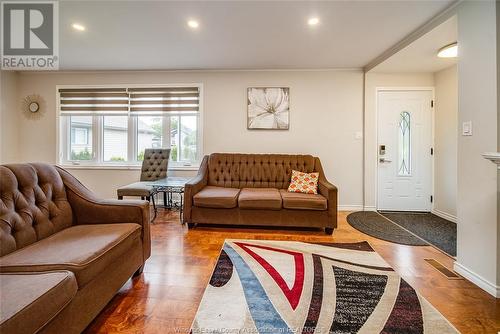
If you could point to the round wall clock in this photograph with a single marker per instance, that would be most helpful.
(33, 106)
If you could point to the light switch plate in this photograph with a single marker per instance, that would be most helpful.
(467, 128)
(358, 135)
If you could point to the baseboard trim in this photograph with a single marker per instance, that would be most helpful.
(445, 215)
(356, 208)
(478, 280)
(350, 208)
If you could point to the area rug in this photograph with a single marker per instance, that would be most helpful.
(295, 287)
(378, 226)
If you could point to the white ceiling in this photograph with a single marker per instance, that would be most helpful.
(135, 35)
(421, 55)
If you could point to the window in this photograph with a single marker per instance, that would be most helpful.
(149, 134)
(80, 135)
(115, 138)
(81, 138)
(187, 127)
(404, 149)
(114, 126)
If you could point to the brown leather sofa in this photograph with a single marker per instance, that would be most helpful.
(63, 252)
(251, 189)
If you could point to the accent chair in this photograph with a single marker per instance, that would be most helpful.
(154, 167)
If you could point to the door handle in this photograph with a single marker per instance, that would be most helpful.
(382, 160)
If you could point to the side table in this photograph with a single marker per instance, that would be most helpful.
(170, 186)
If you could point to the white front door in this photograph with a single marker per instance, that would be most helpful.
(404, 150)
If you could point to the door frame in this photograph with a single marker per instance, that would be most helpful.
(376, 162)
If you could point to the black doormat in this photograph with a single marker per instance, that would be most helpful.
(437, 231)
(376, 225)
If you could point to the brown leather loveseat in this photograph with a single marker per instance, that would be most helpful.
(251, 189)
(63, 252)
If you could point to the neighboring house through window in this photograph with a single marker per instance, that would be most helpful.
(80, 135)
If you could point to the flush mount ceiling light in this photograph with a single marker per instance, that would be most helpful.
(448, 51)
(78, 26)
(193, 24)
(313, 21)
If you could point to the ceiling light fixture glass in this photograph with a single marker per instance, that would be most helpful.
(313, 21)
(448, 51)
(78, 27)
(193, 24)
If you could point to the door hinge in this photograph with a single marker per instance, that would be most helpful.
(432, 103)
(432, 198)
(432, 150)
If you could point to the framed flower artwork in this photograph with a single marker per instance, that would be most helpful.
(268, 108)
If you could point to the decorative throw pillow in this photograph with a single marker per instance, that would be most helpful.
(304, 182)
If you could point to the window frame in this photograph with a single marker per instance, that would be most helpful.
(63, 134)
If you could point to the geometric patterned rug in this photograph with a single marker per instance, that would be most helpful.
(295, 287)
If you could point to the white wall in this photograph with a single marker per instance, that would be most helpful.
(373, 81)
(9, 113)
(325, 114)
(498, 141)
(445, 142)
(477, 237)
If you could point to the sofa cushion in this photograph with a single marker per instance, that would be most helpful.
(217, 197)
(30, 300)
(300, 201)
(135, 189)
(86, 250)
(259, 198)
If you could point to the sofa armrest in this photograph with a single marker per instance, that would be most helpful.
(329, 191)
(192, 187)
(89, 209)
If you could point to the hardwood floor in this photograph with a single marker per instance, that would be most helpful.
(164, 299)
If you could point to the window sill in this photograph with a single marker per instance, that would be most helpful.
(118, 167)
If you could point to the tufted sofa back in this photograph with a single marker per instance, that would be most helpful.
(256, 170)
(33, 205)
(155, 164)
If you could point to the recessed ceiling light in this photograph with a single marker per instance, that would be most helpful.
(313, 21)
(193, 24)
(448, 51)
(78, 27)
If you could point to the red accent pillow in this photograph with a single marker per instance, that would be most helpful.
(306, 183)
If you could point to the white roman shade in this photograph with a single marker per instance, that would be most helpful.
(141, 101)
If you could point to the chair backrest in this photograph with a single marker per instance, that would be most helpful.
(155, 164)
(33, 205)
(256, 170)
